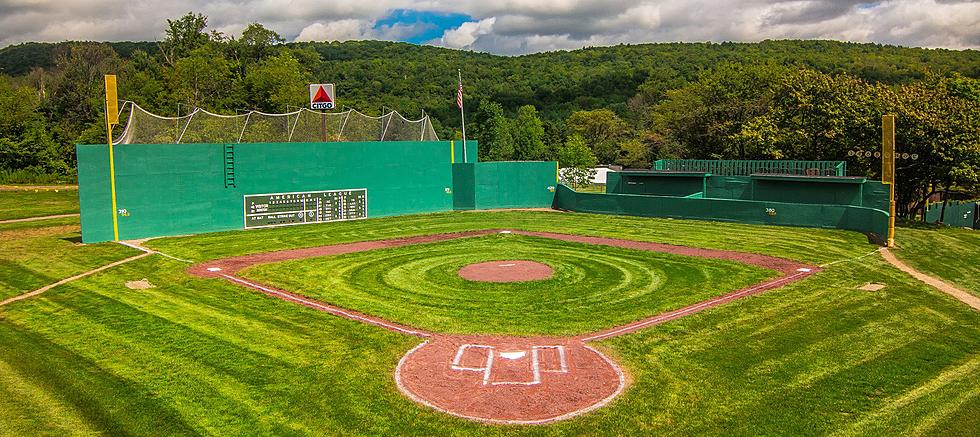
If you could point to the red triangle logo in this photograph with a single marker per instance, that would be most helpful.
(321, 96)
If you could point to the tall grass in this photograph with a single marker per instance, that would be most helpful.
(35, 176)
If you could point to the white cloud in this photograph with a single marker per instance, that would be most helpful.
(340, 30)
(516, 26)
(467, 33)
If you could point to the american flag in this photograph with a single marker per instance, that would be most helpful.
(459, 96)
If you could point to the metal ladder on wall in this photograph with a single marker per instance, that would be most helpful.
(229, 166)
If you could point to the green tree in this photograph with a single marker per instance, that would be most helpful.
(703, 117)
(259, 41)
(277, 82)
(815, 116)
(938, 120)
(633, 153)
(206, 78)
(496, 142)
(528, 133)
(24, 139)
(577, 162)
(601, 129)
(184, 35)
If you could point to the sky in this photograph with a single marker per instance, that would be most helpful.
(510, 27)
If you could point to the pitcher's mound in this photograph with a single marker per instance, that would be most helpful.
(506, 271)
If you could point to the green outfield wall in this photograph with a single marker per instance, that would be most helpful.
(825, 190)
(175, 189)
(957, 214)
(504, 184)
(856, 218)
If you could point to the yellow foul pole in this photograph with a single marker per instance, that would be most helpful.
(112, 118)
(888, 170)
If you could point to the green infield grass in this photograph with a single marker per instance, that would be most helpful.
(18, 203)
(205, 356)
(593, 287)
(952, 254)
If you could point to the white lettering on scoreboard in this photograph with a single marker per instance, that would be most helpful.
(296, 208)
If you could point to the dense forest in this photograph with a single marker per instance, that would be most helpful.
(626, 104)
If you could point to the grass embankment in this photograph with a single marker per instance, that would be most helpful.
(205, 356)
(593, 287)
(951, 254)
(16, 203)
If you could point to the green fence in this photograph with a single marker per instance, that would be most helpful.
(856, 218)
(958, 214)
(493, 185)
(173, 189)
(749, 167)
(176, 189)
(820, 190)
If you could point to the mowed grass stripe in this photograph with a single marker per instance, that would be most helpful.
(333, 376)
(952, 389)
(32, 408)
(211, 381)
(36, 254)
(842, 362)
(23, 203)
(594, 287)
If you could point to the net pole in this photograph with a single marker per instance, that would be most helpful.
(323, 125)
(462, 117)
(888, 171)
(110, 97)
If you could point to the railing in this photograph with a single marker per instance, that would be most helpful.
(747, 167)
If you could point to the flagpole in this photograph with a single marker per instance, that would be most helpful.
(461, 116)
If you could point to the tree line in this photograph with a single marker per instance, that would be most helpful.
(625, 105)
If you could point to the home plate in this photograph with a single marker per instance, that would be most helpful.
(514, 380)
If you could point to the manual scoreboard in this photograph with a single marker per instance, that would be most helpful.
(283, 209)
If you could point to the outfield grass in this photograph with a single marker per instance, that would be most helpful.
(197, 356)
(593, 287)
(35, 254)
(801, 244)
(23, 203)
(952, 254)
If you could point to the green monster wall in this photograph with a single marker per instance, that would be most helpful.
(505, 184)
(175, 189)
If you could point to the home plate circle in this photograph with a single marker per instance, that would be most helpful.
(509, 379)
(506, 271)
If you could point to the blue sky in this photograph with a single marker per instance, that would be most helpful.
(429, 25)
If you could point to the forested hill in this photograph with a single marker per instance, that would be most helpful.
(371, 74)
(626, 104)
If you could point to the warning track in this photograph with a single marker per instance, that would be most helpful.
(506, 379)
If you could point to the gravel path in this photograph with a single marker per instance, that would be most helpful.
(941, 285)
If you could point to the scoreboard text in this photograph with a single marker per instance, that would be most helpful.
(283, 209)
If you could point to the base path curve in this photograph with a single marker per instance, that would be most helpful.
(509, 380)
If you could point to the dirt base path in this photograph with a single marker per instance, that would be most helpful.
(937, 283)
(507, 379)
(67, 280)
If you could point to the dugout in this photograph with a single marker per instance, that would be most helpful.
(815, 198)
